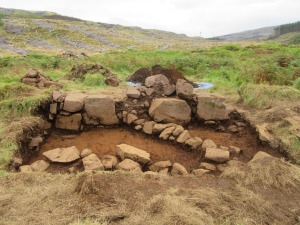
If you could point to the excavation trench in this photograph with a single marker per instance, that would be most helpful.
(103, 141)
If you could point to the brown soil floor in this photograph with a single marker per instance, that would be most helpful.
(103, 141)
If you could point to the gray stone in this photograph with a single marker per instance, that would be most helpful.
(194, 143)
(35, 142)
(128, 165)
(131, 117)
(165, 134)
(208, 144)
(208, 166)
(138, 127)
(178, 130)
(156, 80)
(53, 108)
(159, 127)
(169, 89)
(235, 150)
(139, 121)
(211, 107)
(63, 155)
(85, 152)
(148, 127)
(92, 163)
(109, 161)
(25, 169)
(265, 135)
(217, 155)
(156, 167)
(72, 122)
(74, 102)
(133, 92)
(164, 171)
(149, 92)
(178, 170)
(170, 110)
(183, 136)
(184, 89)
(125, 151)
(40, 166)
(101, 107)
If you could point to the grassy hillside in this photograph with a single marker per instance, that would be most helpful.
(26, 32)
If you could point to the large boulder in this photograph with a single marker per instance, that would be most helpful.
(170, 110)
(129, 152)
(74, 102)
(211, 107)
(217, 155)
(156, 80)
(63, 155)
(184, 89)
(72, 122)
(129, 165)
(101, 107)
(92, 163)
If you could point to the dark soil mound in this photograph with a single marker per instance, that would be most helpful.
(173, 75)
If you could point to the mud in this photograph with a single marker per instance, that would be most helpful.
(173, 75)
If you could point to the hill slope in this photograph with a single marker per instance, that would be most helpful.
(249, 34)
(27, 31)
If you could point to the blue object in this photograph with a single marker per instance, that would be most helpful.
(203, 85)
(132, 84)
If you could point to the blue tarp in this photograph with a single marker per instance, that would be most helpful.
(201, 85)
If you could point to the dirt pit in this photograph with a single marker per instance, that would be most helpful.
(103, 141)
(173, 75)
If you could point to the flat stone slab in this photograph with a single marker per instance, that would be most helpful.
(63, 155)
(125, 151)
(217, 155)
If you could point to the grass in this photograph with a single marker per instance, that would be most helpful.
(266, 96)
(104, 198)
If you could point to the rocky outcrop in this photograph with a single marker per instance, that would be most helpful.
(125, 151)
(63, 155)
(101, 107)
(211, 107)
(170, 110)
